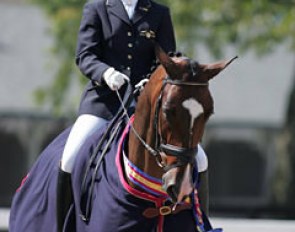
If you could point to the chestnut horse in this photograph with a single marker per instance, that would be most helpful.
(147, 180)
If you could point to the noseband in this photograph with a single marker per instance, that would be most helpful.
(184, 155)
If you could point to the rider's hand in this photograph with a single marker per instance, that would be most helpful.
(114, 79)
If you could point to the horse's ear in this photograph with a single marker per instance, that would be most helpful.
(165, 60)
(211, 70)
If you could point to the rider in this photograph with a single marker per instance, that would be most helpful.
(113, 48)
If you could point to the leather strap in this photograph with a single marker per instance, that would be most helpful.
(165, 210)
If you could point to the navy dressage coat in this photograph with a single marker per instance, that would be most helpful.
(108, 38)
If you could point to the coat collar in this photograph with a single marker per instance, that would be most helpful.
(142, 8)
(116, 7)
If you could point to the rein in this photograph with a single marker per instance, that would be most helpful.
(102, 146)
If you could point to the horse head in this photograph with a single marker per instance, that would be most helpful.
(177, 104)
(186, 106)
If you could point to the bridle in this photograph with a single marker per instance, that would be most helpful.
(184, 155)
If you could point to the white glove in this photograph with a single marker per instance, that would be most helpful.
(114, 79)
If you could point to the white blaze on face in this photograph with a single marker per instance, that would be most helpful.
(194, 108)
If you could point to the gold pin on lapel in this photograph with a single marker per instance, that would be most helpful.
(148, 34)
(145, 9)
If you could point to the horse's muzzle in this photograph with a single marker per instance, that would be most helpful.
(177, 182)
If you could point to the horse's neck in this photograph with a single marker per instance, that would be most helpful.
(143, 124)
(137, 153)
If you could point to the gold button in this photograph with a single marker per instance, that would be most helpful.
(129, 57)
(129, 33)
(130, 45)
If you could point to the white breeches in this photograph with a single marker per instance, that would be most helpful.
(84, 127)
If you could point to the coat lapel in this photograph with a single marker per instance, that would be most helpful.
(142, 8)
(116, 7)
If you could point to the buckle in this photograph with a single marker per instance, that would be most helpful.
(165, 210)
